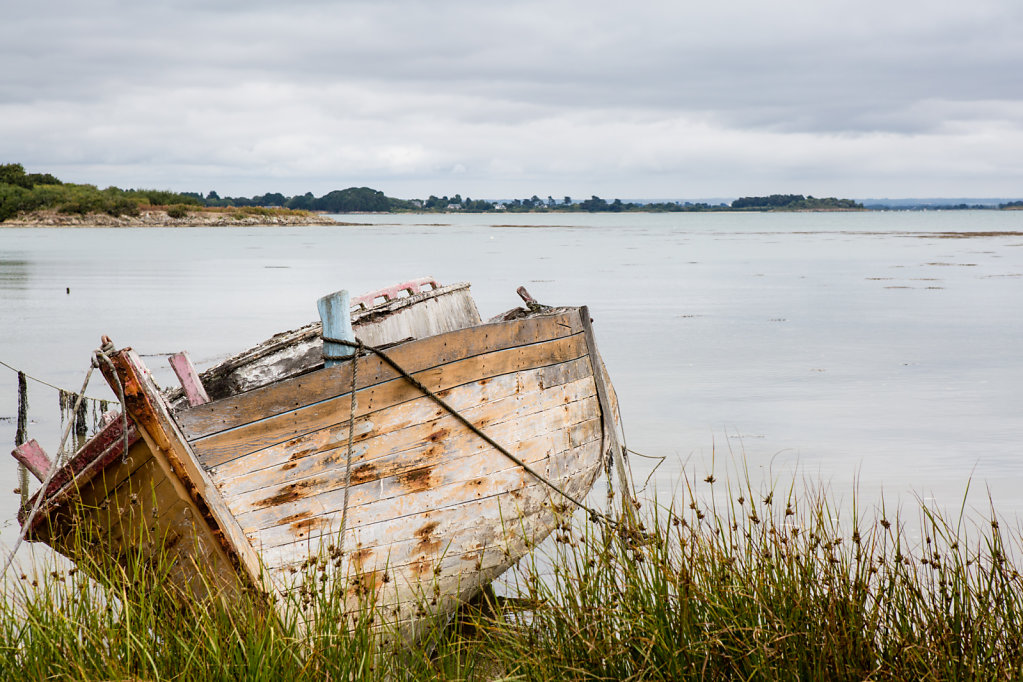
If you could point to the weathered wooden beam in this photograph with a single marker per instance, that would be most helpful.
(189, 379)
(32, 455)
(336, 318)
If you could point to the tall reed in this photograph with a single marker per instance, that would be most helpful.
(727, 582)
(768, 586)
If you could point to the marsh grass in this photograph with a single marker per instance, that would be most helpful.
(760, 586)
(727, 583)
(245, 211)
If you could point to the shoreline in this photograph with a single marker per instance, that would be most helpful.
(249, 217)
(159, 218)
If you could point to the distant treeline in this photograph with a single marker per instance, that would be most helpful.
(364, 199)
(905, 205)
(792, 202)
(351, 200)
(21, 191)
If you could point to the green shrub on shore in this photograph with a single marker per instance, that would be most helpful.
(729, 584)
(15, 199)
(177, 211)
(22, 192)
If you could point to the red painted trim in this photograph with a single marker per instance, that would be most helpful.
(102, 449)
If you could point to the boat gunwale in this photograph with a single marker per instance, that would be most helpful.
(307, 332)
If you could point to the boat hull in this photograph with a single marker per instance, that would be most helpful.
(430, 512)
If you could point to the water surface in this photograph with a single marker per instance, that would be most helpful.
(854, 348)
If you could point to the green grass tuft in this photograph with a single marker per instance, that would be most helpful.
(732, 584)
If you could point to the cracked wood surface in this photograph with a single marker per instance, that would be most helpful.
(285, 395)
(429, 499)
(305, 418)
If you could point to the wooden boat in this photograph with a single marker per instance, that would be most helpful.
(240, 475)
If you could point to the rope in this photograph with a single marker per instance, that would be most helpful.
(25, 527)
(351, 439)
(46, 383)
(593, 513)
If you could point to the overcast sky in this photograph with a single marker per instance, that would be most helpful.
(647, 99)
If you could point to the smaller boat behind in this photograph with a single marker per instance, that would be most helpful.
(415, 474)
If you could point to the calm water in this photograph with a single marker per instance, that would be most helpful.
(854, 349)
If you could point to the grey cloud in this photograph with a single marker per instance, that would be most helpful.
(406, 91)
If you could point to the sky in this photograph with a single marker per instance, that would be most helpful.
(637, 100)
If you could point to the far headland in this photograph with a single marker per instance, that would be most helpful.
(42, 200)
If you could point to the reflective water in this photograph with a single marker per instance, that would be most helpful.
(849, 347)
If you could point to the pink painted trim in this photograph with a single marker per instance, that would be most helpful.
(189, 378)
(413, 287)
(32, 455)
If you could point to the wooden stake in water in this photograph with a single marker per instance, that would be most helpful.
(336, 316)
(21, 434)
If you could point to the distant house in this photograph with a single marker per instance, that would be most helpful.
(454, 207)
(499, 207)
(416, 203)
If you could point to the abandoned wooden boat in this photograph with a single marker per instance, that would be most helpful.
(258, 469)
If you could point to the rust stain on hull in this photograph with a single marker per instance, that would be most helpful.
(427, 544)
(417, 479)
(289, 493)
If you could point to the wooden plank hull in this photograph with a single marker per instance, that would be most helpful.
(431, 512)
